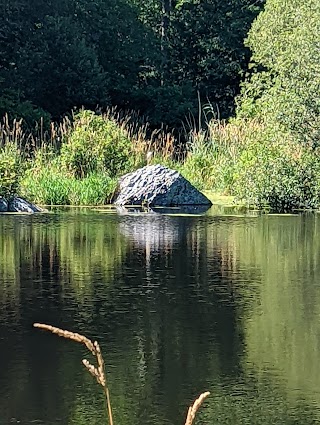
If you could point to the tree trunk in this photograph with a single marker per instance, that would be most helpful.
(165, 23)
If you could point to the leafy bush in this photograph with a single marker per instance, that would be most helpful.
(96, 144)
(282, 95)
(278, 176)
(10, 170)
(284, 85)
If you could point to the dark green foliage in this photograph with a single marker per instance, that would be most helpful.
(53, 67)
(57, 55)
(206, 47)
(168, 104)
(199, 52)
(11, 104)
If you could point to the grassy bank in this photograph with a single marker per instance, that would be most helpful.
(258, 165)
(79, 161)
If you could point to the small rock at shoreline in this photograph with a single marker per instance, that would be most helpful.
(18, 204)
(3, 205)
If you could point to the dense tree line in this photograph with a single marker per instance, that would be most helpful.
(153, 56)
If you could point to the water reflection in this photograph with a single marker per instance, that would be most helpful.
(179, 304)
(182, 210)
(152, 231)
(284, 327)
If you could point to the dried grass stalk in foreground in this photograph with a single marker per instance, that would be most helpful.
(97, 372)
(194, 408)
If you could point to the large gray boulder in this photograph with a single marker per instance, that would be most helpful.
(156, 185)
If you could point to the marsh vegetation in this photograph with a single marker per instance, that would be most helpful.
(258, 143)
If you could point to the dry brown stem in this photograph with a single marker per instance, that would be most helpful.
(97, 372)
(68, 335)
(194, 408)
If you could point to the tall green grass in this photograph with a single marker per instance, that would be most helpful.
(213, 153)
(11, 169)
(79, 161)
(257, 165)
(50, 187)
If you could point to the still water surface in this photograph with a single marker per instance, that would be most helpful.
(179, 304)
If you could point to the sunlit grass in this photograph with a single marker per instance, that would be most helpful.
(79, 161)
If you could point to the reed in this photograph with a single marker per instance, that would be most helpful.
(30, 140)
(98, 372)
(13, 133)
(195, 407)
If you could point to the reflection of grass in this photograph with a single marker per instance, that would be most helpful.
(282, 322)
(8, 269)
(78, 248)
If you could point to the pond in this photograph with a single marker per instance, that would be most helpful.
(179, 304)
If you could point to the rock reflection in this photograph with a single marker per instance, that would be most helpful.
(153, 232)
(182, 210)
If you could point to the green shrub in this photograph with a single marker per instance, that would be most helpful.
(284, 83)
(10, 170)
(279, 176)
(96, 144)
